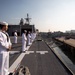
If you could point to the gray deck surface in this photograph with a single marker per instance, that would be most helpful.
(42, 61)
(15, 47)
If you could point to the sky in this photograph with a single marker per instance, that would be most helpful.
(46, 15)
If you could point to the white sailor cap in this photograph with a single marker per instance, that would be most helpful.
(4, 23)
(25, 31)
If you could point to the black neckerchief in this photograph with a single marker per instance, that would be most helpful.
(6, 35)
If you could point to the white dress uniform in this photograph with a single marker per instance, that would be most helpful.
(15, 37)
(4, 54)
(29, 39)
(24, 40)
(34, 35)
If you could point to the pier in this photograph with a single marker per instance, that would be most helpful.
(68, 43)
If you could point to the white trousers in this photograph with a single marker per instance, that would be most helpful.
(29, 41)
(23, 45)
(4, 63)
(15, 39)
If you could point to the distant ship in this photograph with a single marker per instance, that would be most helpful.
(21, 27)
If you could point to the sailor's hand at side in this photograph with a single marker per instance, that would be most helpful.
(9, 48)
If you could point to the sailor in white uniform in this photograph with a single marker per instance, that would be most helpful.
(29, 39)
(5, 46)
(24, 40)
(15, 36)
(32, 37)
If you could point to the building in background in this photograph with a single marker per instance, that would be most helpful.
(70, 31)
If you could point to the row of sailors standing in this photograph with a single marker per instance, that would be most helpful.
(26, 40)
(5, 46)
